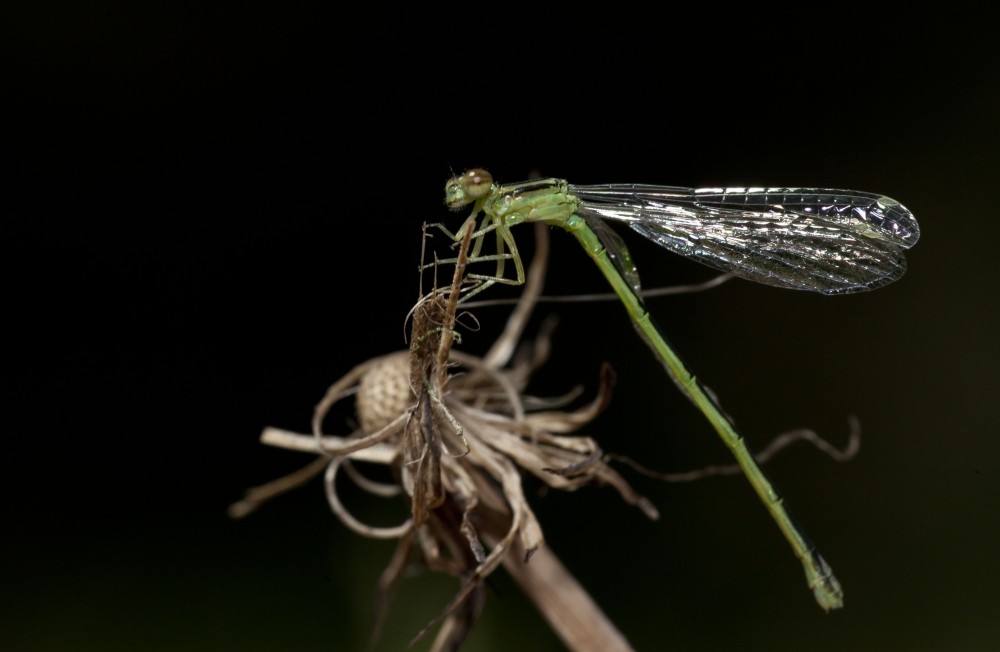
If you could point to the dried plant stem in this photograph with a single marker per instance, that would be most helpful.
(413, 415)
(447, 333)
(566, 606)
(379, 453)
(257, 496)
(777, 444)
(502, 350)
(611, 296)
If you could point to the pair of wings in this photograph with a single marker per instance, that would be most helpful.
(829, 241)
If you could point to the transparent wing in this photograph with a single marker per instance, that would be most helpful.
(829, 241)
(617, 251)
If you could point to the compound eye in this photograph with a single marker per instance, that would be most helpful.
(476, 183)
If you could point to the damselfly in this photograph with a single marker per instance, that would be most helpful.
(829, 241)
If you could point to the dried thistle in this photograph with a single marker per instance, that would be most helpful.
(455, 440)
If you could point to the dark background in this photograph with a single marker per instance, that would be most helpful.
(213, 213)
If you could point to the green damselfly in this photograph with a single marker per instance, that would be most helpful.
(828, 241)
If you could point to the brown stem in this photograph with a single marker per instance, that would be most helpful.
(570, 611)
(449, 325)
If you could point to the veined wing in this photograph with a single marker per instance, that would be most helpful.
(829, 241)
(617, 251)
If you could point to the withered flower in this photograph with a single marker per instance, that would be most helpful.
(454, 428)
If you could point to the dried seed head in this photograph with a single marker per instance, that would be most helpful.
(454, 443)
(384, 392)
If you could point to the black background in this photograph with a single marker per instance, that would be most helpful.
(213, 213)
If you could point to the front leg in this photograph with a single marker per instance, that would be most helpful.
(470, 223)
(480, 236)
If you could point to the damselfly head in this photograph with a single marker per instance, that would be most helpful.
(467, 188)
